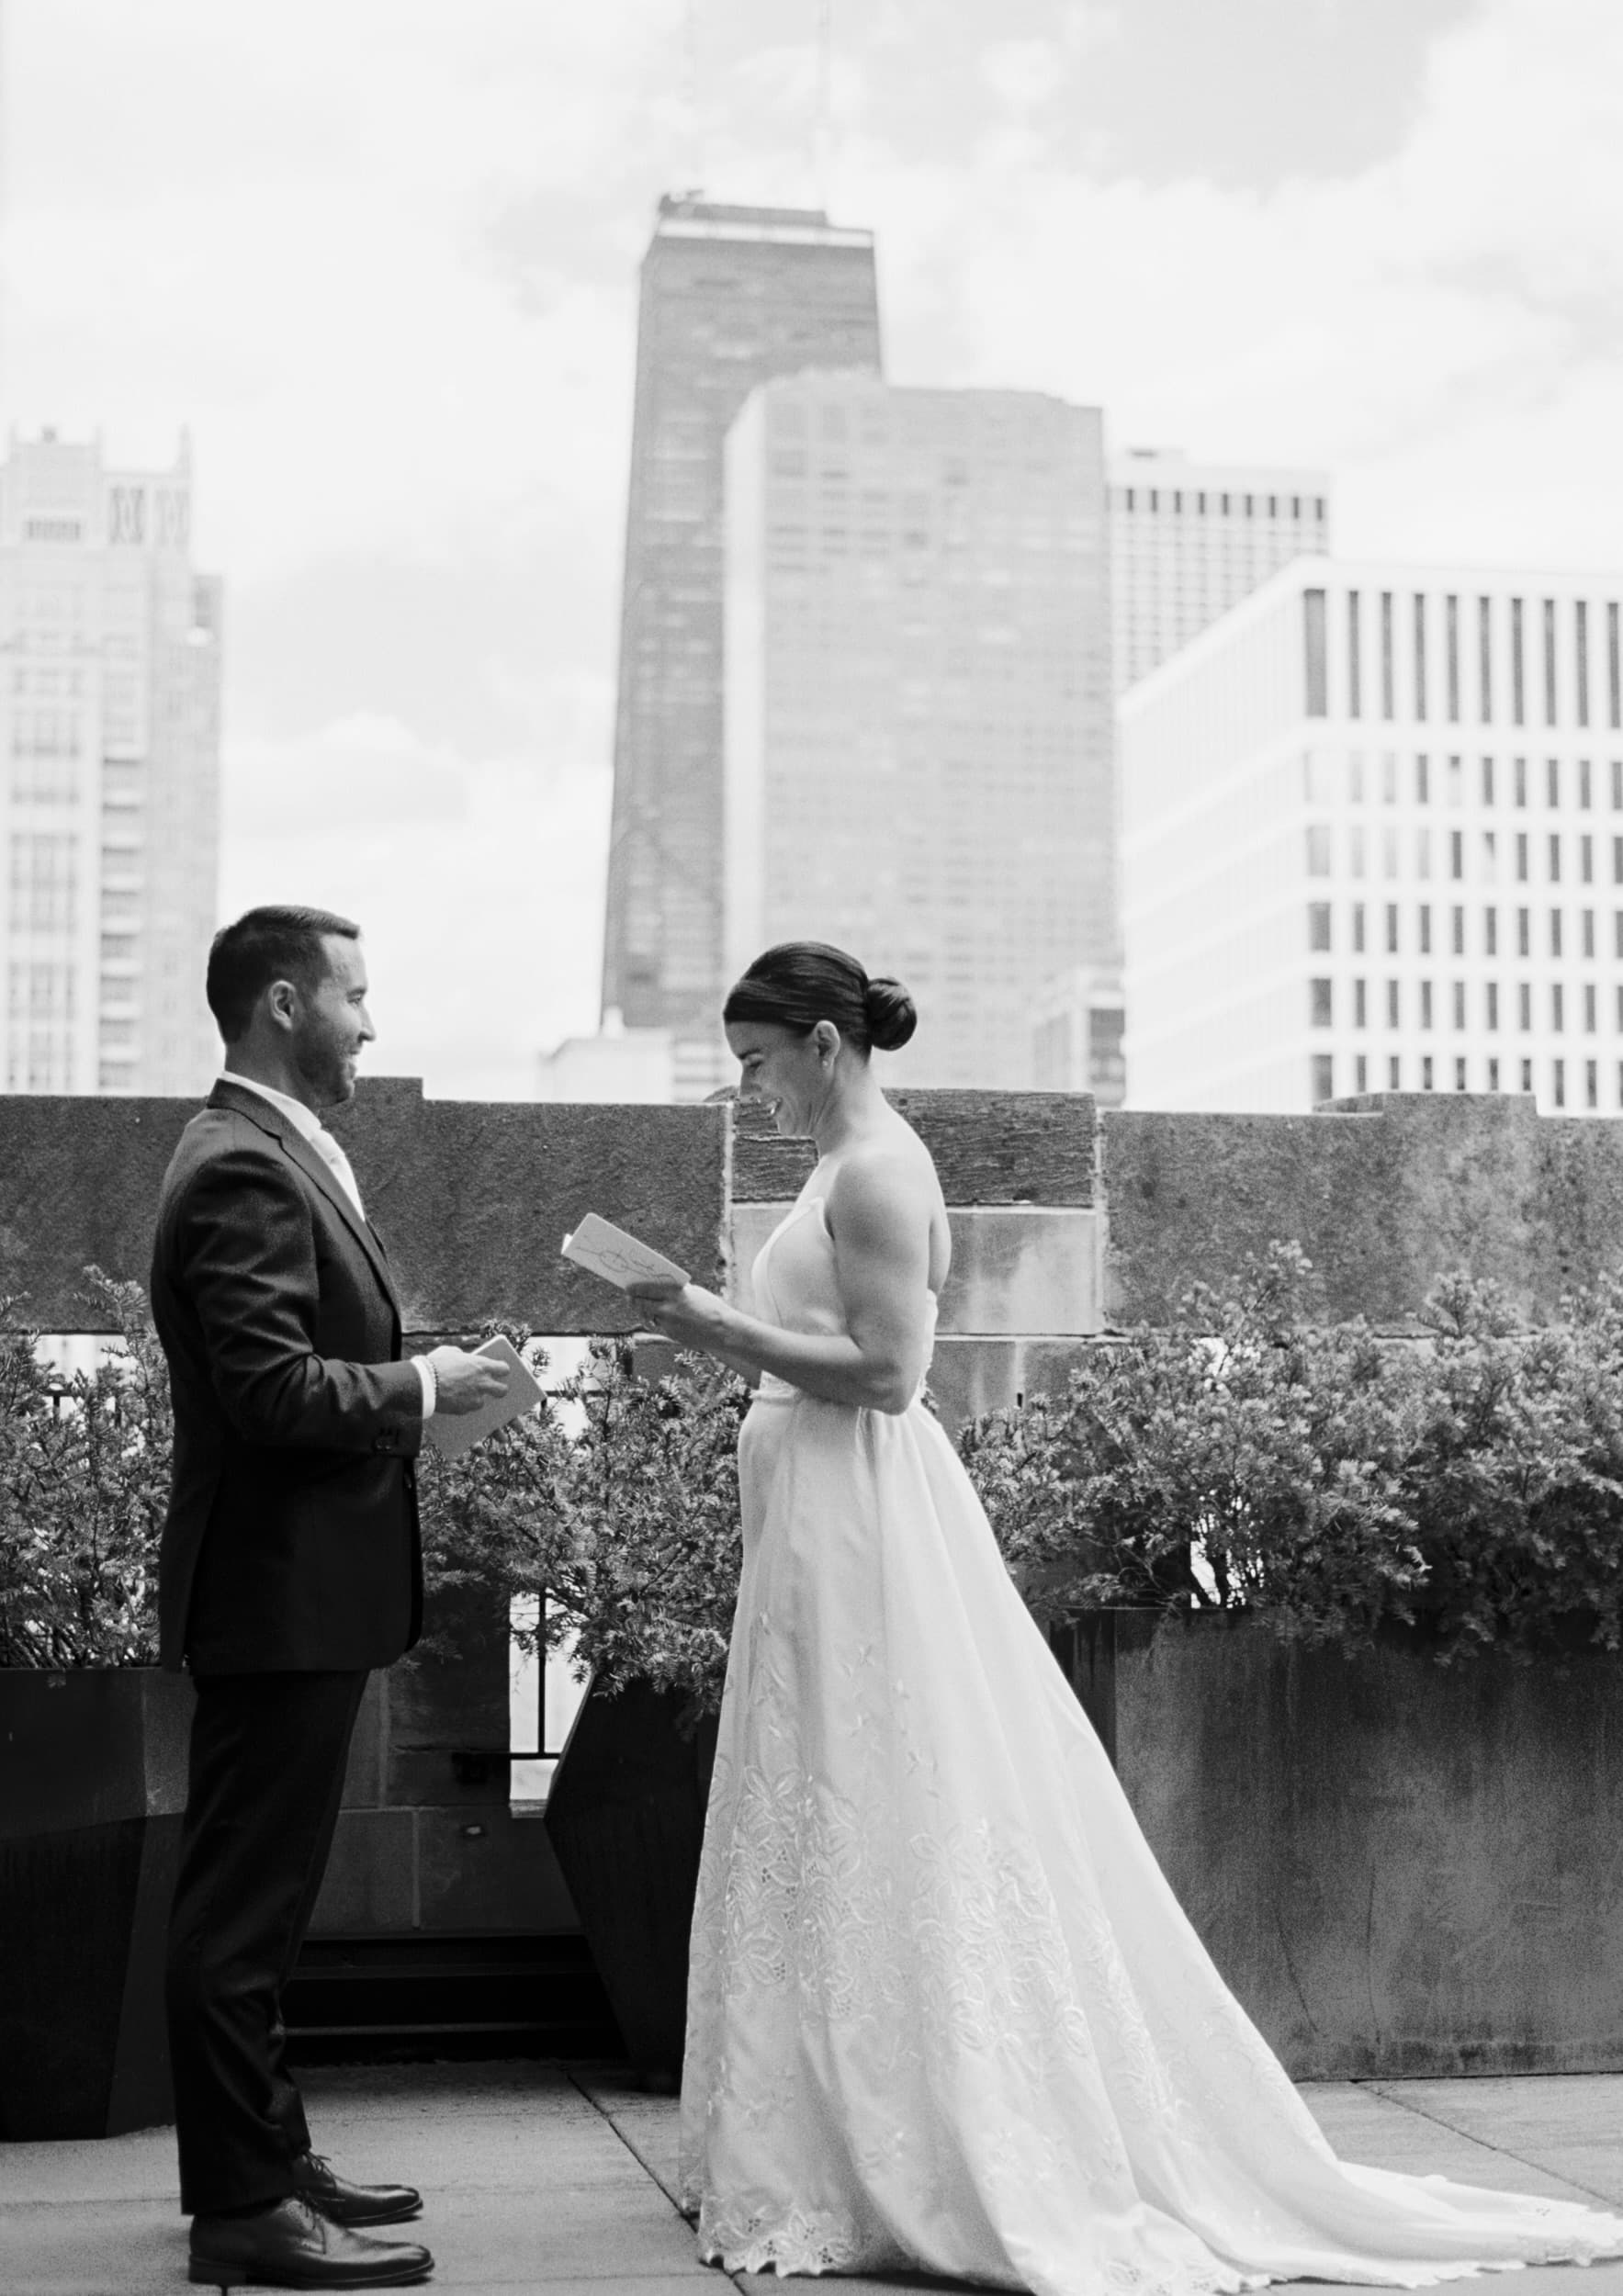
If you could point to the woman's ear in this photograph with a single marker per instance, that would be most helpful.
(826, 1037)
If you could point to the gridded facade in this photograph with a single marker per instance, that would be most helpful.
(919, 733)
(1190, 540)
(1374, 842)
(110, 805)
(731, 296)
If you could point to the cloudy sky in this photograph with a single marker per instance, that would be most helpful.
(380, 256)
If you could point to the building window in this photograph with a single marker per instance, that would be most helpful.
(1424, 914)
(1457, 922)
(1521, 856)
(1318, 1004)
(1558, 1009)
(1425, 1003)
(1618, 784)
(1617, 932)
(1614, 672)
(1490, 933)
(1555, 932)
(1459, 1073)
(1592, 1084)
(1524, 996)
(1492, 1076)
(1425, 1073)
(1388, 684)
(1459, 1006)
(1422, 780)
(1585, 786)
(1419, 656)
(1586, 860)
(1361, 1073)
(1552, 784)
(1487, 781)
(1392, 1004)
(1524, 932)
(1355, 660)
(1581, 662)
(1360, 1016)
(1456, 781)
(1355, 777)
(1392, 929)
(1318, 924)
(1456, 852)
(1518, 679)
(1451, 639)
(1549, 661)
(1490, 1006)
(1589, 1002)
(1355, 852)
(1313, 648)
(1527, 1076)
(1491, 856)
(1558, 1082)
(1617, 860)
(1318, 851)
(1555, 861)
(1358, 927)
(1521, 781)
(1587, 921)
(1395, 1072)
(1484, 659)
(1324, 1073)
(1422, 852)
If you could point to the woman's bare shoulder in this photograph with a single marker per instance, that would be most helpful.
(893, 1166)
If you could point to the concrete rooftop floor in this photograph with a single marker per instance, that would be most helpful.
(561, 2180)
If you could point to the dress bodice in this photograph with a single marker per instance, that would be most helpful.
(795, 1285)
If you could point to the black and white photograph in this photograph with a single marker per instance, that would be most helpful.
(811, 1284)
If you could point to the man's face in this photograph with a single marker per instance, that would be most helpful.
(333, 1023)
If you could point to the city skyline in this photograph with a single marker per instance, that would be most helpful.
(395, 301)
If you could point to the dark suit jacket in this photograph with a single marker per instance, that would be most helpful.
(291, 1542)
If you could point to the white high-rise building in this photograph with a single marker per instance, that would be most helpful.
(1373, 841)
(919, 743)
(109, 778)
(1190, 539)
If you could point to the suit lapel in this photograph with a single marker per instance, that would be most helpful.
(269, 1118)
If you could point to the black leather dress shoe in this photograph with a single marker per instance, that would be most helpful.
(316, 2180)
(292, 2244)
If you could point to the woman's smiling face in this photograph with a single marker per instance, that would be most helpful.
(785, 1069)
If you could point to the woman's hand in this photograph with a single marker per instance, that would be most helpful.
(686, 1314)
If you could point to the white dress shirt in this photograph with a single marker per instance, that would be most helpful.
(309, 1127)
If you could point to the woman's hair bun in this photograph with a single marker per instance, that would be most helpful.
(891, 1013)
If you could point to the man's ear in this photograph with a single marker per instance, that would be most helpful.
(281, 1000)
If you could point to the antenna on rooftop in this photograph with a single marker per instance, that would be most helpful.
(689, 89)
(823, 132)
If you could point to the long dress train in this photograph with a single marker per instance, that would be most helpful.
(944, 2011)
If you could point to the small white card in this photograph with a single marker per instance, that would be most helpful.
(451, 1434)
(617, 1257)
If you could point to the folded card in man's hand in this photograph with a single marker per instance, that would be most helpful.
(451, 1435)
(617, 1257)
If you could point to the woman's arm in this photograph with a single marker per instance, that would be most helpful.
(879, 1221)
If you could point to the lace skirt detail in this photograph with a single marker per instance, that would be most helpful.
(943, 2010)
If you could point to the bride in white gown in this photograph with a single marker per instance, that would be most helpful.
(944, 2012)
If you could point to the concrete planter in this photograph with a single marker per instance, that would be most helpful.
(1401, 1868)
(626, 1816)
(92, 1786)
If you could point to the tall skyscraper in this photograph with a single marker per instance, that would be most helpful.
(1190, 540)
(1373, 842)
(730, 296)
(920, 741)
(110, 810)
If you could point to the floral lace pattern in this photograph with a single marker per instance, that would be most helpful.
(943, 2011)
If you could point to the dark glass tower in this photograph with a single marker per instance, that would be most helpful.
(730, 297)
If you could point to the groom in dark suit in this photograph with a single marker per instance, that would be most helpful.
(290, 1567)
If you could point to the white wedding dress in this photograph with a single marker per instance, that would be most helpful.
(944, 2012)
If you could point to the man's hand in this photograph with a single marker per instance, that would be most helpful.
(464, 1382)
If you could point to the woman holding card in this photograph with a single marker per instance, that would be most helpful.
(943, 2011)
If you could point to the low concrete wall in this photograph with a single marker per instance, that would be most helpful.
(1402, 1869)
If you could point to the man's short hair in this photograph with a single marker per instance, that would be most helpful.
(267, 945)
